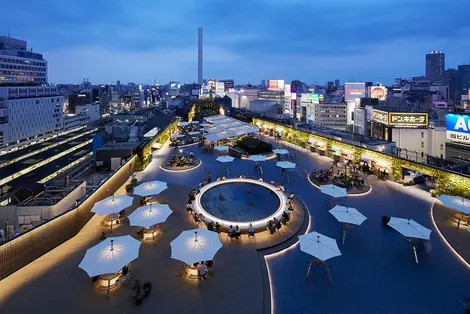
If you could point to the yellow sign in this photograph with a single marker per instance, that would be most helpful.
(408, 118)
(380, 116)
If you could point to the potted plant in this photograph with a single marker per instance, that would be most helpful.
(147, 287)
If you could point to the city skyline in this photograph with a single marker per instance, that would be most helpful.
(120, 41)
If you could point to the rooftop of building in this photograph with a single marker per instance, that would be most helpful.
(342, 135)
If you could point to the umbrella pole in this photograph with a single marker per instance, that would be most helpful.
(329, 272)
(308, 270)
(344, 234)
(261, 169)
(109, 282)
(228, 172)
(288, 177)
(416, 254)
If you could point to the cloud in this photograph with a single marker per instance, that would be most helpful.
(248, 40)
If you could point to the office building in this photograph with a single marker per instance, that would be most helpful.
(415, 137)
(435, 65)
(29, 111)
(278, 96)
(104, 100)
(242, 97)
(331, 115)
(199, 56)
(18, 66)
(337, 84)
(451, 79)
(464, 78)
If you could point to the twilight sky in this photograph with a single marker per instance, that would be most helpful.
(248, 40)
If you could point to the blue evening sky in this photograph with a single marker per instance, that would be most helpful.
(310, 40)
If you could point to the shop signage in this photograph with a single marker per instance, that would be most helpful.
(408, 118)
(380, 116)
(458, 128)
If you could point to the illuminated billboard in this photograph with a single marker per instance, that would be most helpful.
(287, 90)
(400, 119)
(354, 90)
(276, 84)
(380, 116)
(204, 89)
(378, 92)
(315, 98)
(458, 128)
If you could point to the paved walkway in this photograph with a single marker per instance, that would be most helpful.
(457, 238)
(375, 274)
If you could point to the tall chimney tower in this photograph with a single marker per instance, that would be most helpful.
(199, 56)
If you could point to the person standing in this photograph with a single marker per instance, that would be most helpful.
(209, 177)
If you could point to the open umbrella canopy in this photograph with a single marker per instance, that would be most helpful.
(334, 191)
(225, 159)
(179, 136)
(149, 215)
(183, 123)
(348, 215)
(281, 151)
(410, 228)
(221, 148)
(193, 246)
(110, 256)
(112, 204)
(456, 202)
(150, 188)
(285, 164)
(319, 246)
(257, 158)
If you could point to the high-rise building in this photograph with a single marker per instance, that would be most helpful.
(337, 83)
(18, 66)
(435, 65)
(28, 108)
(199, 55)
(464, 78)
(104, 99)
(451, 79)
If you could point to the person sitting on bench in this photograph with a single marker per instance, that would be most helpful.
(251, 231)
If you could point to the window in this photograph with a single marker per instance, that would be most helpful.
(442, 146)
(422, 134)
(422, 144)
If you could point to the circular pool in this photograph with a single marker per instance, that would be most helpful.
(240, 202)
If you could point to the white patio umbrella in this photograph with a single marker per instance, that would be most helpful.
(456, 202)
(110, 256)
(410, 229)
(150, 188)
(347, 215)
(281, 151)
(334, 191)
(285, 164)
(257, 158)
(221, 148)
(195, 245)
(194, 133)
(149, 215)
(183, 123)
(319, 246)
(112, 204)
(225, 160)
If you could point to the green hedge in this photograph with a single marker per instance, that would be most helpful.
(447, 182)
(144, 154)
(253, 145)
